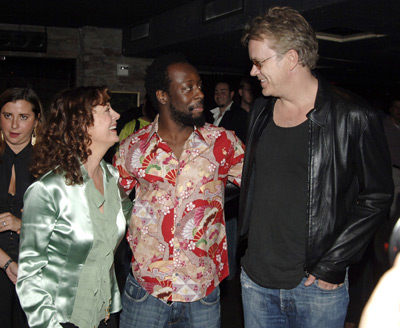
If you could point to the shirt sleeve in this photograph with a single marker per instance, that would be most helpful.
(236, 161)
(126, 204)
(39, 217)
(126, 180)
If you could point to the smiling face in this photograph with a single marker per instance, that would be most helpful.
(222, 95)
(271, 72)
(103, 132)
(17, 124)
(185, 95)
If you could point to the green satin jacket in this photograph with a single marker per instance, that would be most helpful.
(56, 237)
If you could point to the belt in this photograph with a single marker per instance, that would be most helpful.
(396, 166)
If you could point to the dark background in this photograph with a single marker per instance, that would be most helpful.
(369, 67)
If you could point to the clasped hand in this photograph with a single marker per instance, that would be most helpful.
(9, 222)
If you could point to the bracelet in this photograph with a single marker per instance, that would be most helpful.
(7, 264)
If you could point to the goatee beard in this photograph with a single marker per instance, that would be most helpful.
(186, 119)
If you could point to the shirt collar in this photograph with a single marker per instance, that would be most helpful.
(24, 154)
(216, 111)
(198, 132)
(107, 175)
(154, 129)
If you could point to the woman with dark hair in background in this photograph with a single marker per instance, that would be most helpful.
(20, 114)
(73, 217)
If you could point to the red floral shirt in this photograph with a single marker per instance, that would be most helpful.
(177, 229)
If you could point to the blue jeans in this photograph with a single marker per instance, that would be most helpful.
(140, 309)
(300, 307)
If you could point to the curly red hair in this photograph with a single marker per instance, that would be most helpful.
(64, 142)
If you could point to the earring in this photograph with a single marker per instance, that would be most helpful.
(33, 137)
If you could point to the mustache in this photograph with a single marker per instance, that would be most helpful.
(199, 104)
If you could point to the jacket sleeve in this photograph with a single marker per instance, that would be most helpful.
(38, 223)
(372, 168)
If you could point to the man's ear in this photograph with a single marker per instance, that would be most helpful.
(293, 58)
(232, 94)
(162, 96)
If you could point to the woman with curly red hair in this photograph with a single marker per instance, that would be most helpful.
(74, 217)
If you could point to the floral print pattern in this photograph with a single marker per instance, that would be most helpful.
(177, 229)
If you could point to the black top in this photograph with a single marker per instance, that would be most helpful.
(277, 235)
(235, 120)
(13, 203)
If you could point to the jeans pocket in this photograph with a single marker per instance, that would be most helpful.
(134, 291)
(212, 298)
(245, 281)
(340, 287)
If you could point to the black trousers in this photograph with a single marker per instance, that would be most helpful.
(11, 313)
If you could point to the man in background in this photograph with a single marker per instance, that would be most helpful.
(246, 93)
(228, 114)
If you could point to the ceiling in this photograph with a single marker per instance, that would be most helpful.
(214, 47)
(78, 13)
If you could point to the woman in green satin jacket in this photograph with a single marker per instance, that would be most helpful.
(74, 217)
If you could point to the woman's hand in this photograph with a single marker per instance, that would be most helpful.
(12, 268)
(9, 222)
(12, 272)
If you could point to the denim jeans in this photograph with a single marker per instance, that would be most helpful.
(140, 309)
(300, 307)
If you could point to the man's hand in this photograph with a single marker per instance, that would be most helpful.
(322, 284)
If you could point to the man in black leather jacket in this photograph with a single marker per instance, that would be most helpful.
(316, 181)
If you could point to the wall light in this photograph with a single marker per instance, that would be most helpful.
(220, 8)
(347, 38)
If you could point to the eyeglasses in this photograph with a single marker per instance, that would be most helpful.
(258, 64)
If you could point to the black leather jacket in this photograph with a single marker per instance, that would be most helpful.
(350, 186)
